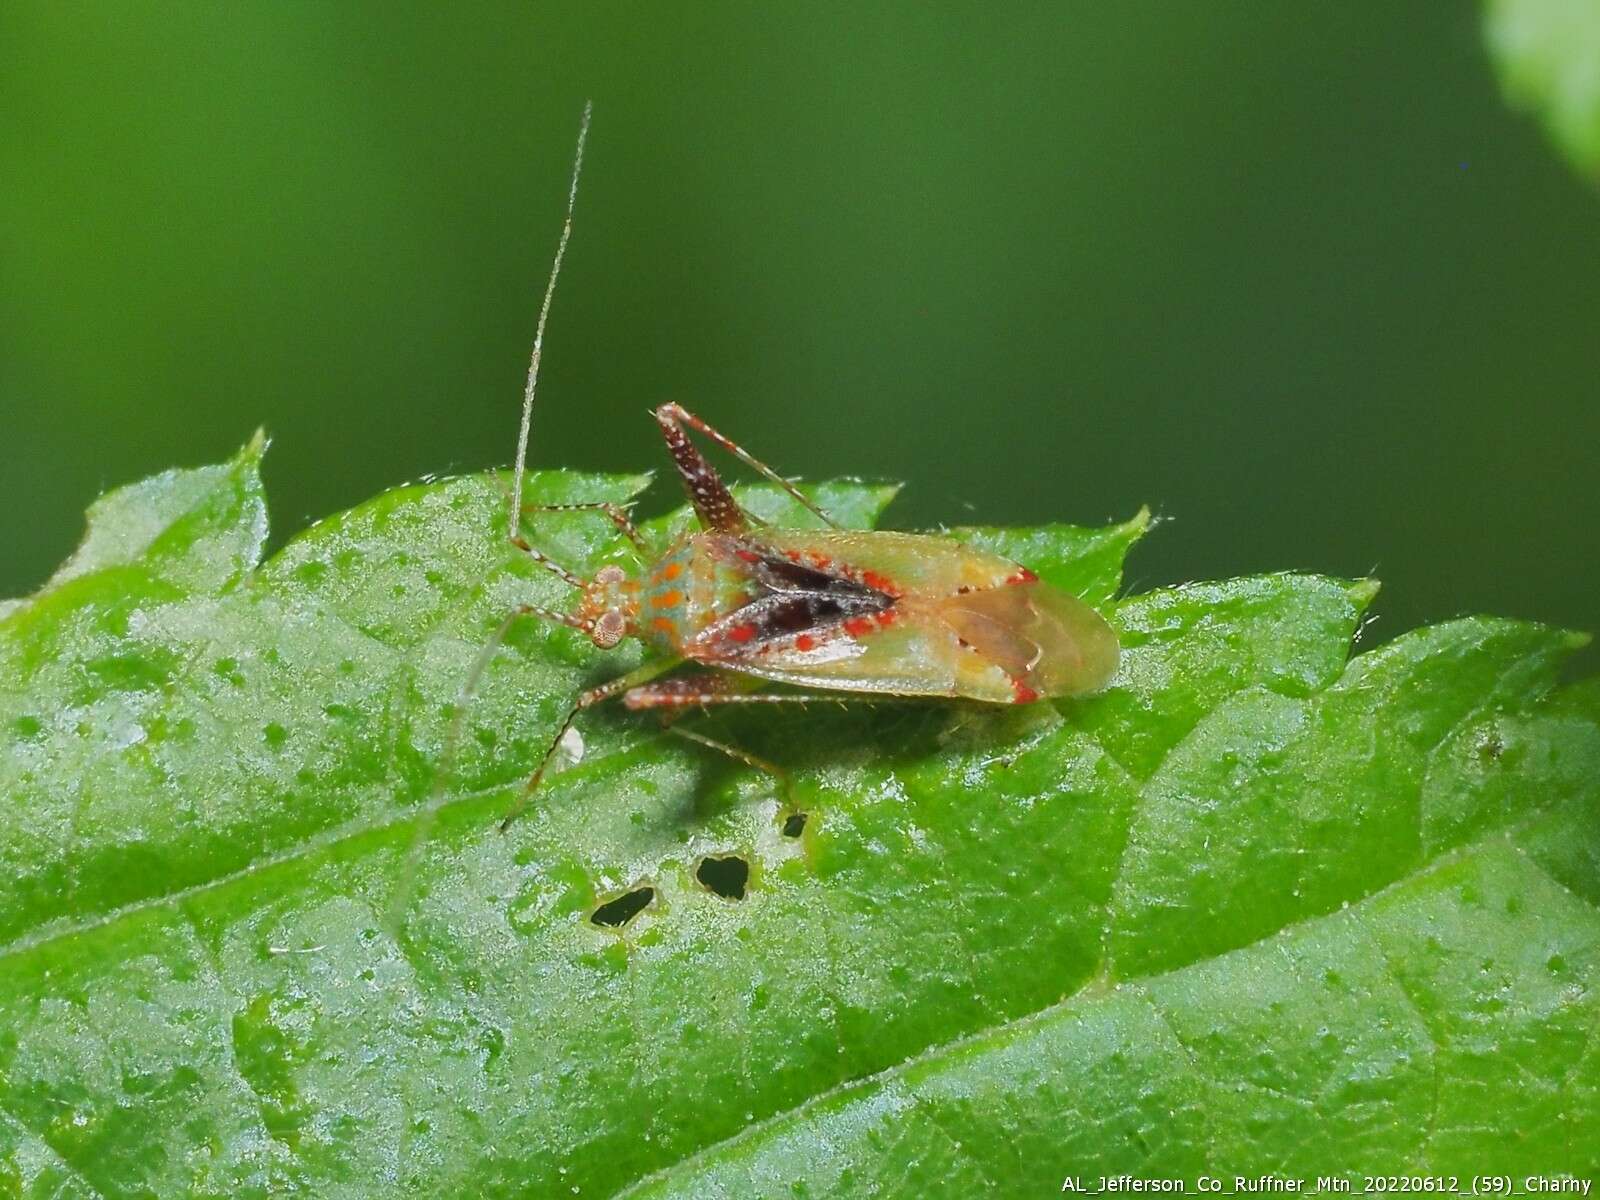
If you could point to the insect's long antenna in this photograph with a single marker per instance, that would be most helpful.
(544, 316)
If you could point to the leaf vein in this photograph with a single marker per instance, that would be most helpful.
(936, 1051)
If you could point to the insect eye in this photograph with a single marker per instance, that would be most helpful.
(608, 630)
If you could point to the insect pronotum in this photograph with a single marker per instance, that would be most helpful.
(823, 614)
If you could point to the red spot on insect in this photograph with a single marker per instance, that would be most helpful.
(858, 626)
(1023, 575)
(819, 560)
(886, 616)
(792, 555)
(874, 580)
(667, 599)
(749, 556)
(742, 633)
(805, 642)
(1024, 694)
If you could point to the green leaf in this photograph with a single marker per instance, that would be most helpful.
(1548, 56)
(1257, 907)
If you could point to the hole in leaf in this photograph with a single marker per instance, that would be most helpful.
(794, 824)
(724, 876)
(618, 912)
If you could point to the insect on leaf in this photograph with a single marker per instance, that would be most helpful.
(1258, 906)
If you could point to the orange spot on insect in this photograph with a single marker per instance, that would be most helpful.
(671, 571)
(805, 642)
(1023, 575)
(669, 599)
(792, 555)
(858, 626)
(662, 625)
(819, 560)
(1024, 694)
(742, 633)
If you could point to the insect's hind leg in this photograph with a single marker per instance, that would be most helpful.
(753, 761)
(702, 691)
(712, 501)
(672, 697)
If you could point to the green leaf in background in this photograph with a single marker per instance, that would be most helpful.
(1258, 907)
(1548, 56)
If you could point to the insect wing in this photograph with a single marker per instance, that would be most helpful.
(899, 563)
(907, 657)
(1047, 642)
(962, 622)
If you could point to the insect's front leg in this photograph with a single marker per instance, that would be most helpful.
(570, 578)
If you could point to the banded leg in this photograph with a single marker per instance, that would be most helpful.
(712, 501)
(733, 752)
(619, 517)
(671, 696)
(545, 561)
(704, 690)
(794, 818)
(589, 699)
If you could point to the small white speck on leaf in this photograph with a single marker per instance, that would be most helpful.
(571, 746)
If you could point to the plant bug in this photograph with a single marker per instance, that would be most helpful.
(824, 614)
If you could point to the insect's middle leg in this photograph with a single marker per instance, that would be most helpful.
(619, 517)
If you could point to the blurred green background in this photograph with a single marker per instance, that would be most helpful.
(1292, 274)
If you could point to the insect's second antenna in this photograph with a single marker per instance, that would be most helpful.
(538, 333)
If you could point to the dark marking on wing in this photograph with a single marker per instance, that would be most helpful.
(804, 612)
(781, 575)
(790, 598)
